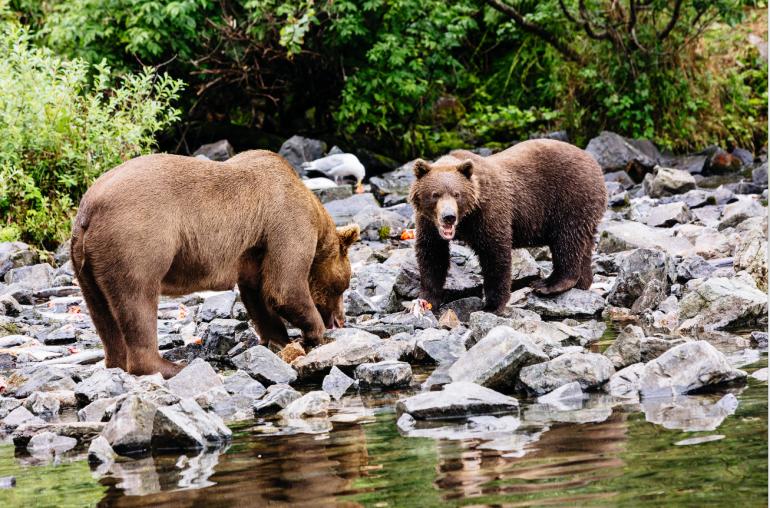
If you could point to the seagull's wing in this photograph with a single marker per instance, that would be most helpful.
(325, 163)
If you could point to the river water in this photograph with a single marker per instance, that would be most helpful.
(624, 455)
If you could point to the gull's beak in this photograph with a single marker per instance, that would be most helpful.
(359, 187)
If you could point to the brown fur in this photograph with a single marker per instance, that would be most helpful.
(538, 192)
(166, 224)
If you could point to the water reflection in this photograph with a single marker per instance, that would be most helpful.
(692, 413)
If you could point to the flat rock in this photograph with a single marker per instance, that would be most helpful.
(496, 360)
(241, 383)
(264, 366)
(664, 216)
(343, 211)
(573, 303)
(48, 443)
(617, 236)
(83, 432)
(218, 305)
(686, 368)
(720, 303)
(312, 404)
(277, 397)
(564, 398)
(591, 370)
(104, 383)
(386, 374)
(351, 348)
(456, 400)
(194, 379)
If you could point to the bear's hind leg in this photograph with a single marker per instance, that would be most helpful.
(587, 273)
(106, 326)
(567, 270)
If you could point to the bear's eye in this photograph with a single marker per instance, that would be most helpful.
(456, 195)
(434, 195)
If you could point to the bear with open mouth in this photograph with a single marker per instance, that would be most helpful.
(536, 193)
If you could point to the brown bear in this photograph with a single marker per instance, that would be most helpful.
(167, 224)
(539, 192)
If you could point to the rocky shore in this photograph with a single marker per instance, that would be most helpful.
(680, 279)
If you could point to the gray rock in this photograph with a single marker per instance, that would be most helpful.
(20, 416)
(336, 383)
(104, 383)
(351, 348)
(693, 267)
(627, 347)
(720, 303)
(9, 306)
(689, 413)
(83, 432)
(222, 335)
(50, 444)
(33, 277)
(241, 383)
(219, 305)
(15, 255)
(264, 366)
(186, 425)
(43, 404)
(8, 404)
(464, 307)
(277, 397)
(217, 151)
(456, 400)
(617, 236)
(758, 176)
(620, 178)
(66, 334)
(564, 398)
(99, 410)
(393, 187)
(131, 427)
(735, 213)
(614, 152)
(573, 303)
(377, 223)
(686, 368)
(668, 215)
(82, 358)
(298, 149)
(751, 255)
(625, 383)
(312, 404)
(344, 210)
(194, 379)
(437, 346)
(100, 452)
(496, 360)
(385, 374)
(44, 378)
(643, 280)
(693, 164)
(591, 370)
(759, 338)
(667, 181)
(463, 278)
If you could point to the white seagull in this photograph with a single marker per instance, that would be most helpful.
(338, 166)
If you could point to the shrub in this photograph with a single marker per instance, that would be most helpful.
(62, 125)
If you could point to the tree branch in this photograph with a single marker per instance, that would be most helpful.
(672, 22)
(535, 29)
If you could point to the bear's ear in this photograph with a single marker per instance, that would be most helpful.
(466, 168)
(421, 168)
(348, 235)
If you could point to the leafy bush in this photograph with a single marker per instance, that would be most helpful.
(63, 124)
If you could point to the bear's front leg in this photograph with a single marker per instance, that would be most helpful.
(433, 261)
(496, 270)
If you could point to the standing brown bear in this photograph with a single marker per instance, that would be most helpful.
(166, 224)
(539, 192)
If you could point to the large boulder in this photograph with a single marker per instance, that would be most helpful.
(217, 151)
(34, 277)
(625, 383)
(298, 149)
(456, 400)
(751, 255)
(667, 215)
(393, 187)
(185, 425)
(617, 236)
(591, 370)
(343, 211)
(386, 374)
(643, 280)
(687, 368)
(739, 211)
(15, 255)
(614, 152)
(350, 349)
(496, 360)
(720, 303)
(265, 366)
(667, 181)
(194, 379)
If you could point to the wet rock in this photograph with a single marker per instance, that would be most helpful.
(43, 404)
(194, 379)
(278, 396)
(83, 432)
(735, 213)
(573, 303)
(759, 338)
(7, 482)
(44, 378)
(496, 360)
(351, 348)
(131, 426)
(643, 280)
(438, 346)
(687, 368)
(386, 374)
(343, 211)
(464, 307)
(667, 181)
(668, 215)
(217, 151)
(50, 444)
(720, 303)
(219, 305)
(591, 370)
(456, 400)
(564, 398)
(15, 255)
(264, 366)
(614, 152)
(99, 410)
(9, 306)
(298, 149)
(104, 383)
(20, 416)
(690, 413)
(312, 404)
(186, 425)
(626, 383)
(626, 349)
(336, 383)
(100, 452)
(241, 383)
(617, 236)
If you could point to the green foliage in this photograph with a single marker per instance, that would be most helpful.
(63, 124)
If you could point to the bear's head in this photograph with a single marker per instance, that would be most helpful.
(444, 193)
(330, 275)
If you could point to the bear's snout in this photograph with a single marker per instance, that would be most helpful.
(446, 211)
